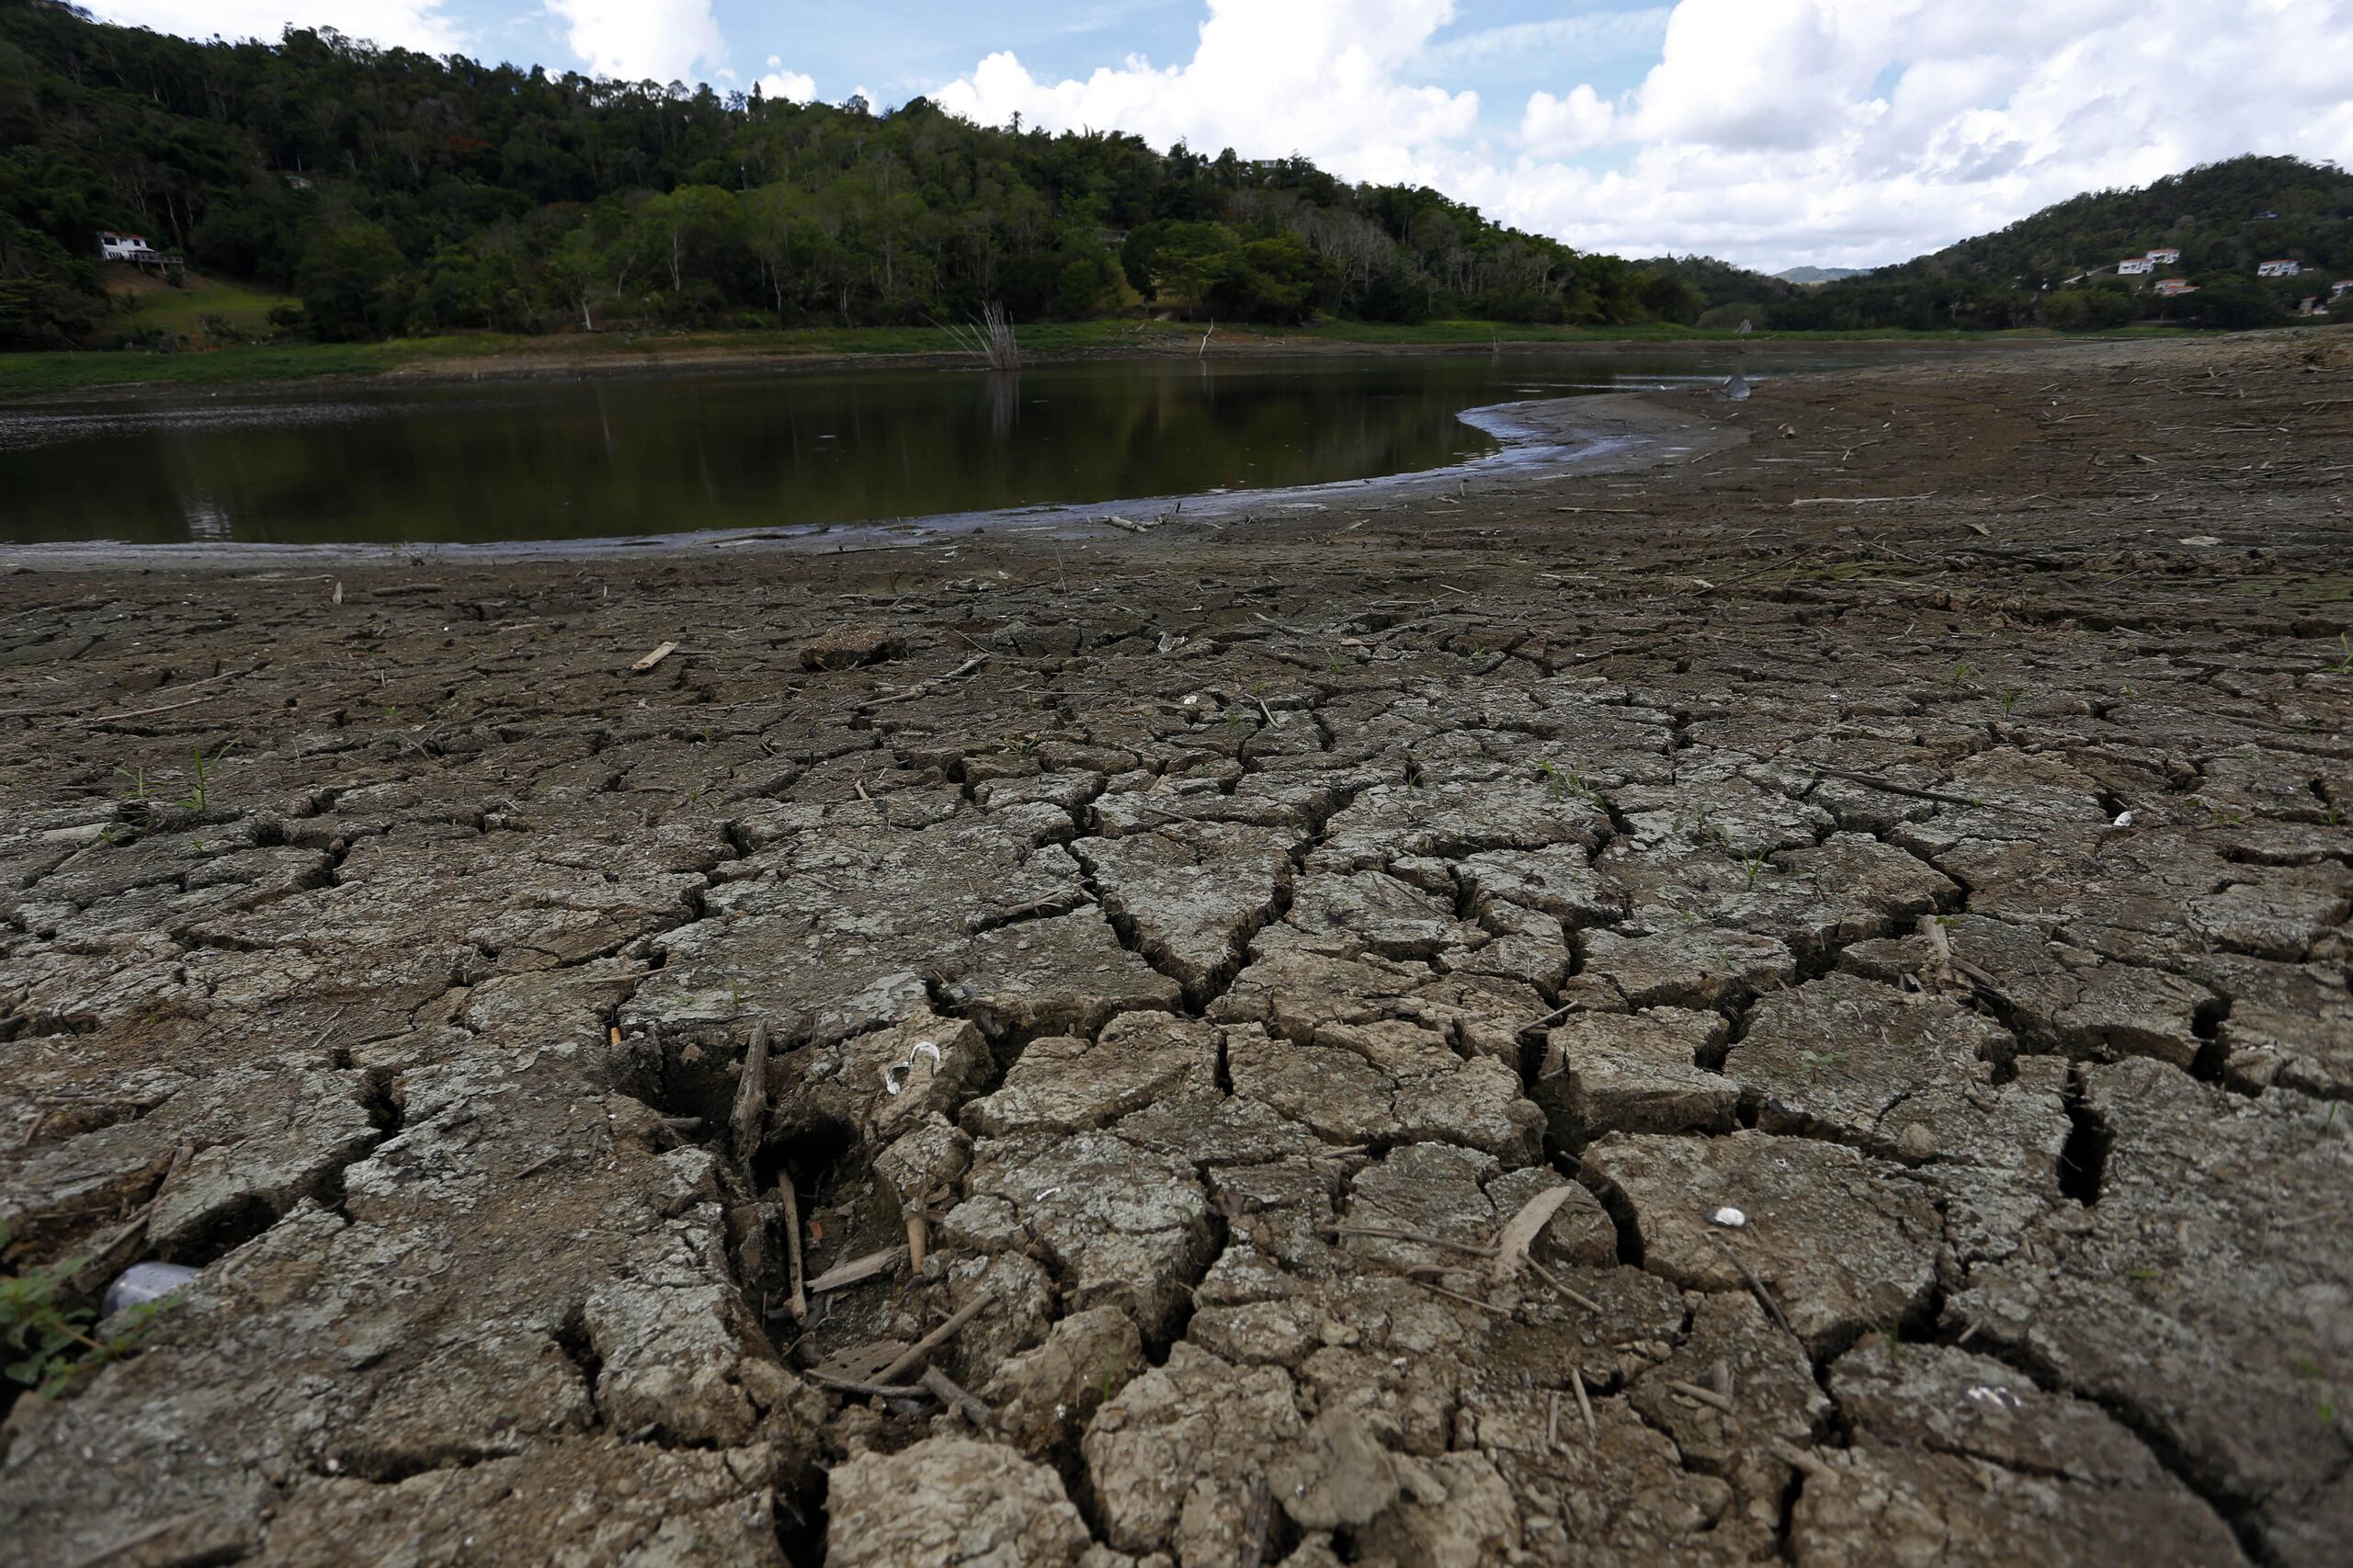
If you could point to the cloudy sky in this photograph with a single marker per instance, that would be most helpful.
(1772, 132)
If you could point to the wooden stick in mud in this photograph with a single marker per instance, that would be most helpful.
(844, 1275)
(825, 1380)
(1554, 1281)
(748, 1124)
(1705, 1396)
(923, 688)
(1763, 1297)
(920, 1351)
(946, 1390)
(798, 1302)
(1396, 1234)
(919, 1233)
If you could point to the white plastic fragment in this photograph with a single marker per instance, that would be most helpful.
(1989, 1393)
(144, 1282)
(894, 1077)
(2124, 819)
(1730, 1218)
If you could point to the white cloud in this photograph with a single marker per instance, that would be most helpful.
(660, 41)
(1595, 35)
(778, 83)
(1557, 127)
(404, 23)
(1768, 133)
(1311, 76)
(1753, 74)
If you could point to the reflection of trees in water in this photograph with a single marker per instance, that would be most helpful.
(621, 459)
(642, 456)
(1004, 404)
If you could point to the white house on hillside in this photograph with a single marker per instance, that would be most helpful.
(2339, 287)
(2279, 269)
(2174, 288)
(123, 247)
(2165, 256)
(2134, 266)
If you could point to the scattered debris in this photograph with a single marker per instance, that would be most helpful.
(848, 647)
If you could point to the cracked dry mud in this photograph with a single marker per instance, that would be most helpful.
(1271, 915)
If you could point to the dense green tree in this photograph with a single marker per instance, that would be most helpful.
(1273, 279)
(353, 281)
(573, 276)
(1175, 259)
(2235, 303)
(2086, 310)
(1669, 298)
(47, 299)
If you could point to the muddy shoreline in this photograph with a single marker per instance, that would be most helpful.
(1786, 1002)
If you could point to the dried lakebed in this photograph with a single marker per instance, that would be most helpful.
(1916, 823)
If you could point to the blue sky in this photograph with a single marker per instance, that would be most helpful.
(907, 47)
(1770, 132)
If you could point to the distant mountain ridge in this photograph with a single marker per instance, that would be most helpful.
(1804, 275)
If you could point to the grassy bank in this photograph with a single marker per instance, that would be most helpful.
(144, 302)
(35, 375)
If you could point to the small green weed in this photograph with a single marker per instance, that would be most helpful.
(139, 791)
(2344, 667)
(201, 792)
(2009, 701)
(49, 1347)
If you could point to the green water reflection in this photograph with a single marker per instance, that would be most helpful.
(645, 455)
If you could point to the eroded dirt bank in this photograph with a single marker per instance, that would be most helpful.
(1919, 827)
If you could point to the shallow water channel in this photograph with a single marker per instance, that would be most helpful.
(628, 455)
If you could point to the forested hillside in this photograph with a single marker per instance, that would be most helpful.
(2056, 267)
(395, 193)
(1728, 294)
(399, 193)
(2223, 217)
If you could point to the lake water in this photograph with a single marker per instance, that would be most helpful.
(636, 455)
